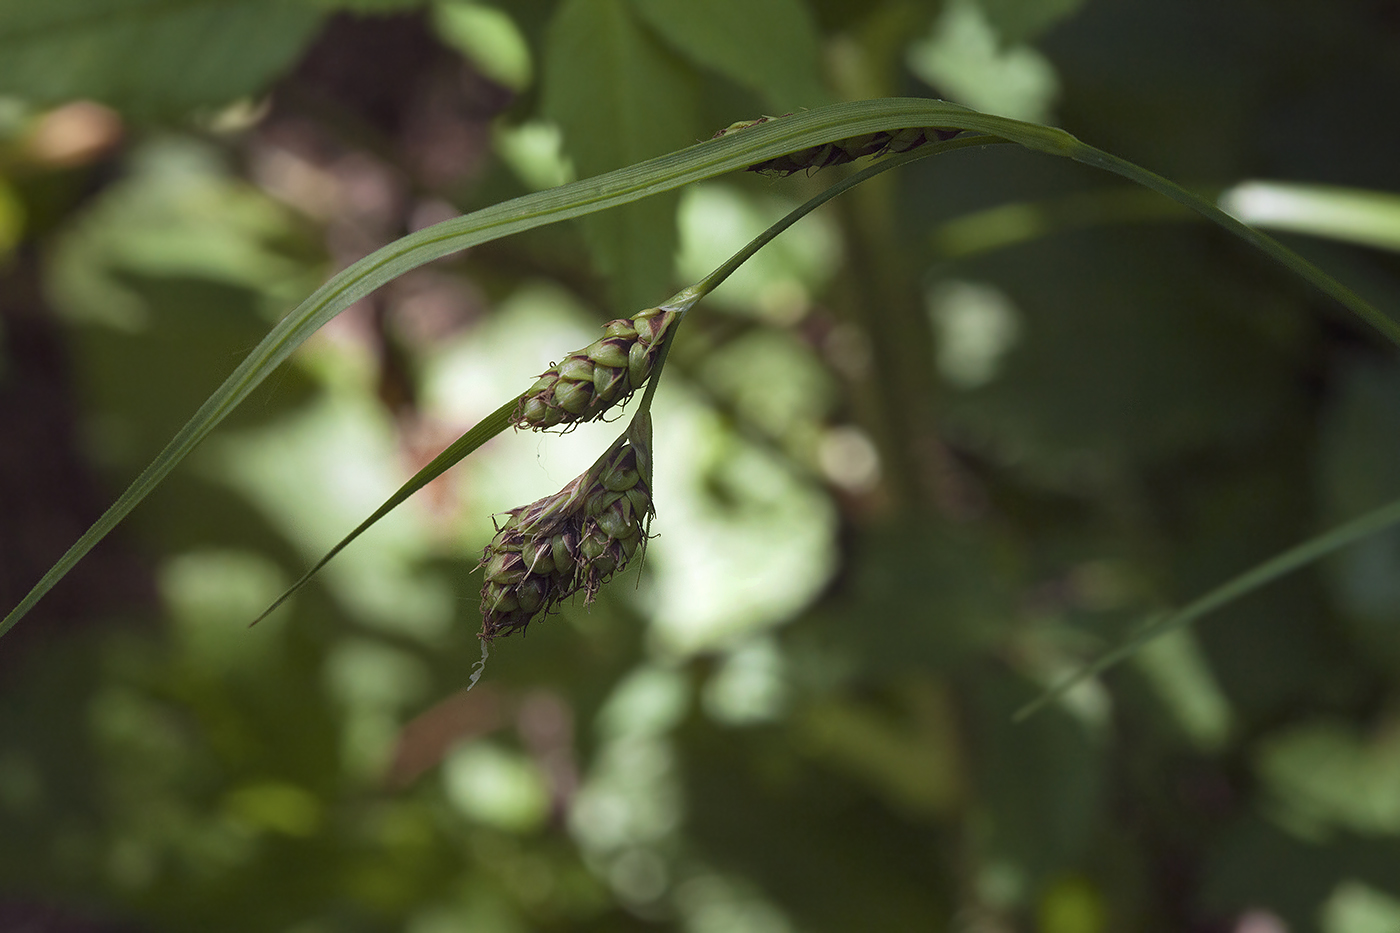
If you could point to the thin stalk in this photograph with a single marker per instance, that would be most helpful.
(1310, 551)
(709, 283)
(480, 433)
(688, 297)
(1361, 307)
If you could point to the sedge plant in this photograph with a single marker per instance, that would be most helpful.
(576, 539)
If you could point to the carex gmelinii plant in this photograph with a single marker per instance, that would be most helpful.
(576, 539)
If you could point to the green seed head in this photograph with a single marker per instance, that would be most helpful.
(610, 351)
(532, 593)
(577, 367)
(617, 519)
(622, 474)
(843, 150)
(609, 383)
(622, 327)
(505, 568)
(563, 549)
(605, 373)
(573, 397)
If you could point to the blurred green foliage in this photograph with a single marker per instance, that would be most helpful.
(919, 460)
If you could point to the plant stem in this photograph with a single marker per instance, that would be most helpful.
(686, 298)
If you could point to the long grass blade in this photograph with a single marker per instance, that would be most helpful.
(698, 162)
(479, 434)
(1270, 570)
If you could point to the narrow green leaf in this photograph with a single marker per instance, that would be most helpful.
(149, 57)
(619, 98)
(1308, 552)
(480, 433)
(769, 46)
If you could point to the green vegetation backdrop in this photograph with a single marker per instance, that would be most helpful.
(942, 443)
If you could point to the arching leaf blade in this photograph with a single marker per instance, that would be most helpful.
(479, 434)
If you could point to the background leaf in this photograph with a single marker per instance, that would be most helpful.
(620, 98)
(149, 57)
(1022, 20)
(900, 491)
(769, 46)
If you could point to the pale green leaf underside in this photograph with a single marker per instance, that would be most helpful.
(698, 162)
(1366, 217)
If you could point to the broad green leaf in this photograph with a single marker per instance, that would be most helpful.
(769, 46)
(965, 58)
(1328, 774)
(488, 37)
(149, 57)
(623, 186)
(619, 98)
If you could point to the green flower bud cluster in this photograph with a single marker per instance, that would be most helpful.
(590, 381)
(843, 150)
(574, 540)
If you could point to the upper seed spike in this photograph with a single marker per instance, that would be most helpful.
(843, 150)
(590, 381)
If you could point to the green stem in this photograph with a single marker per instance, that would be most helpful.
(644, 406)
(709, 283)
(688, 297)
